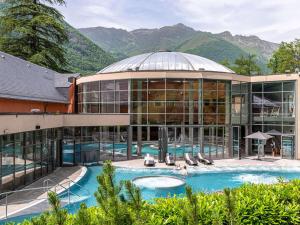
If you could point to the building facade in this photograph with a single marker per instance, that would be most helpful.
(169, 101)
(195, 104)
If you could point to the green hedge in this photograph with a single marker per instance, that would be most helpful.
(253, 204)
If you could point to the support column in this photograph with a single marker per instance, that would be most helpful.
(129, 142)
(148, 133)
(118, 134)
(246, 141)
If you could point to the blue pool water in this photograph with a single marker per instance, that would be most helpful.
(198, 179)
(205, 181)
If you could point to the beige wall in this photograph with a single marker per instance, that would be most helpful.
(20, 123)
(163, 74)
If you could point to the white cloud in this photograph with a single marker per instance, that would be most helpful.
(273, 20)
(270, 19)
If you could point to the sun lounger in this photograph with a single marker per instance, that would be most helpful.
(204, 160)
(170, 161)
(149, 160)
(190, 160)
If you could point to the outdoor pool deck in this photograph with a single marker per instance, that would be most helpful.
(220, 163)
(35, 201)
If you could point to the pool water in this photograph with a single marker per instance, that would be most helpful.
(200, 180)
(205, 181)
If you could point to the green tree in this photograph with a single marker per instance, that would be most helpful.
(246, 65)
(191, 208)
(286, 58)
(82, 216)
(34, 31)
(230, 206)
(226, 63)
(108, 196)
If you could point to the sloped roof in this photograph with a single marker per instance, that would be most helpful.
(20, 79)
(166, 61)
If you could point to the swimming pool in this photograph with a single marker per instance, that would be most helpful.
(205, 181)
(208, 180)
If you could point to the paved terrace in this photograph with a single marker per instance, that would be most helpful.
(221, 163)
(35, 201)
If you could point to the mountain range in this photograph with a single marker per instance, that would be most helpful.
(91, 49)
(218, 47)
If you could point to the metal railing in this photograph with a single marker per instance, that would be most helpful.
(45, 188)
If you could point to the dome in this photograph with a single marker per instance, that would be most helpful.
(166, 61)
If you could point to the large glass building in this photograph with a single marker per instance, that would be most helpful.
(151, 103)
(185, 103)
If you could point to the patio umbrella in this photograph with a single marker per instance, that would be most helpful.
(273, 132)
(259, 136)
(262, 137)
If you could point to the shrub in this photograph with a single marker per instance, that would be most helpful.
(122, 204)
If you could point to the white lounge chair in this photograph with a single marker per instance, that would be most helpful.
(170, 161)
(190, 160)
(204, 160)
(149, 160)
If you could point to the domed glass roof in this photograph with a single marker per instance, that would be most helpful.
(162, 61)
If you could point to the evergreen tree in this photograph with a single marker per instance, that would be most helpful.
(246, 65)
(34, 31)
(191, 208)
(108, 197)
(226, 63)
(286, 58)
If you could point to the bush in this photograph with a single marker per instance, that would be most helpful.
(248, 204)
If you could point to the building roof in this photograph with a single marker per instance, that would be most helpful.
(166, 61)
(23, 80)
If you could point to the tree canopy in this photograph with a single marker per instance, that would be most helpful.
(34, 31)
(244, 65)
(286, 58)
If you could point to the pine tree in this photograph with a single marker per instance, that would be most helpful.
(34, 31)
(246, 65)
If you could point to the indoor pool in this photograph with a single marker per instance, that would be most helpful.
(208, 180)
(121, 148)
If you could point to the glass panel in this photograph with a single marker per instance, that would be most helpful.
(271, 87)
(107, 85)
(156, 84)
(154, 95)
(175, 84)
(288, 147)
(209, 85)
(257, 87)
(121, 85)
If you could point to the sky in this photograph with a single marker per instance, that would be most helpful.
(271, 20)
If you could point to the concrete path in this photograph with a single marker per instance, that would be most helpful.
(35, 201)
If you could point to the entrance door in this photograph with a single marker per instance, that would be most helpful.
(236, 142)
(287, 146)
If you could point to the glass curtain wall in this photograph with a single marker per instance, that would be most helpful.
(273, 112)
(103, 97)
(94, 144)
(26, 157)
(240, 117)
(195, 111)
